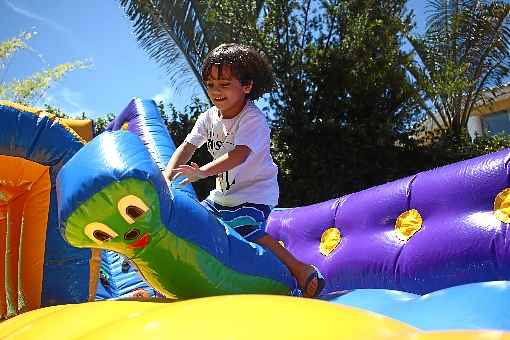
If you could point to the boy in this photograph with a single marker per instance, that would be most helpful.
(238, 138)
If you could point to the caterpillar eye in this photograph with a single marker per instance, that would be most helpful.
(101, 235)
(133, 234)
(99, 232)
(131, 207)
(134, 212)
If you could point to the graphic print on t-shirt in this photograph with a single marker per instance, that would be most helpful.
(216, 139)
(219, 142)
(223, 181)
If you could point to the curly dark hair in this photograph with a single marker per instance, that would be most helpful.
(246, 64)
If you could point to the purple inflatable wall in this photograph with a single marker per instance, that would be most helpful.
(440, 228)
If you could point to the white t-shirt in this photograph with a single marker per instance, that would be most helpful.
(253, 181)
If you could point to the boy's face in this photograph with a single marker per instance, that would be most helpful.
(226, 91)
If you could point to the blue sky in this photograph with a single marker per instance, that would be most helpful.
(98, 31)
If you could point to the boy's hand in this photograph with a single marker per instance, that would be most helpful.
(191, 172)
(167, 175)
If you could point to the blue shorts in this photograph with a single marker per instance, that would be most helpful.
(247, 219)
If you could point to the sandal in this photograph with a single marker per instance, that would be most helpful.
(315, 274)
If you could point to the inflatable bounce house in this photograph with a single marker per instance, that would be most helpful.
(38, 267)
(423, 257)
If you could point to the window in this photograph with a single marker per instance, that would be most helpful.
(496, 123)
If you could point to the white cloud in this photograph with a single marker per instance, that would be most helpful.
(169, 95)
(166, 95)
(69, 101)
(31, 15)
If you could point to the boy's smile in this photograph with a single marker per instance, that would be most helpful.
(226, 91)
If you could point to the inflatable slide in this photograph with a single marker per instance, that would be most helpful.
(412, 259)
(118, 279)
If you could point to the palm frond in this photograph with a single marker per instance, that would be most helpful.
(172, 33)
(464, 50)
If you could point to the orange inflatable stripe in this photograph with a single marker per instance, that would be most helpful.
(33, 242)
(14, 220)
(3, 233)
(24, 200)
(95, 266)
(15, 200)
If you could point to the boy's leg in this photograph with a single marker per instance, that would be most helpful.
(255, 233)
(298, 269)
(248, 219)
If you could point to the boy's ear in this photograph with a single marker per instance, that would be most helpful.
(247, 87)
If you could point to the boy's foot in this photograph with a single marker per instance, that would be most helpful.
(311, 282)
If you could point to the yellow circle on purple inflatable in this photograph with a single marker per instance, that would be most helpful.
(502, 206)
(408, 223)
(330, 239)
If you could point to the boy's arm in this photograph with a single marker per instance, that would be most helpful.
(224, 163)
(182, 155)
(227, 162)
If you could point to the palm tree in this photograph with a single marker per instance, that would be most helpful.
(463, 52)
(175, 33)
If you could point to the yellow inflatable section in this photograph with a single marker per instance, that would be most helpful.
(246, 317)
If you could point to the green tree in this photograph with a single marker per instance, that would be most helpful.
(33, 88)
(101, 123)
(342, 97)
(56, 111)
(464, 51)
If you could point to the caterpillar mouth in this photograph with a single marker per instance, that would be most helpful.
(142, 242)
